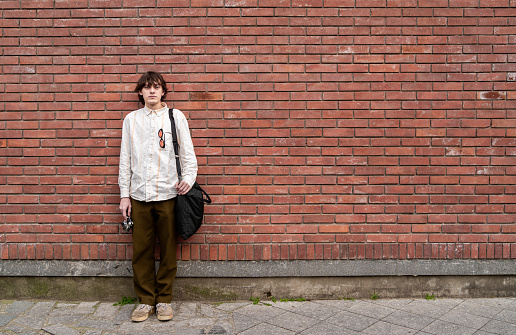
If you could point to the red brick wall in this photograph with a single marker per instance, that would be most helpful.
(335, 129)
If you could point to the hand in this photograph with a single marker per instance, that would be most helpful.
(182, 187)
(125, 207)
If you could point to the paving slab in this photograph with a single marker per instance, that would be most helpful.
(200, 322)
(511, 306)
(227, 326)
(328, 329)
(60, 330)
(427, 308)
(495, 302)
(133, 327)
(15, 328)
(85, 308)
(97, 324)
(185, 311)
(392, 303)
(506, 316)
(212, 312)
(30, 321)
(369, 309)
(3, 305)
(217, 329)
(31, 332)
(408, 320)
(41, 308)
(267, 329)
(93, 332)
(311, 309)
(261, 312)
(64, 319)
(465, 319)
(352, 321)
(338, 304)
(243, 322)
(124, 312)
(439, 327)
(382, 327)
(19, 306)
(293, 321)
(229, 307)
(499, 327)
(6, 318)
(106, 311)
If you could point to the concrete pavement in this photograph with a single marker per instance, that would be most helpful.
(382, 316)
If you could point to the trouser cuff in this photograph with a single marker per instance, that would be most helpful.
(147, 302)
(163, 300)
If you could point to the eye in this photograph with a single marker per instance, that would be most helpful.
(157, 86)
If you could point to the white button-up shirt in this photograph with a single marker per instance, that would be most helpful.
(148, 172)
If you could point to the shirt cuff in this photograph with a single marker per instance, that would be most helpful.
(124, 193)
(189, 180)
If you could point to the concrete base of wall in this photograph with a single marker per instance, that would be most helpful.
(232, 289)
(229, 281)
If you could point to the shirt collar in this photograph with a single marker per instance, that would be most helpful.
(159, 112)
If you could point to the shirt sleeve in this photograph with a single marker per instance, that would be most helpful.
(186, 151)
(124, 168)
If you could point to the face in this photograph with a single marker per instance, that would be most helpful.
(152, 95)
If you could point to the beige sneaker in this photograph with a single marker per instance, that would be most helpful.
(164, 312)
(142, 312)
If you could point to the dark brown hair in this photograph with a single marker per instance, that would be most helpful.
(151, 78)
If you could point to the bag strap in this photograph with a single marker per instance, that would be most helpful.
(176, 153)
(175, 142)
(208, 200)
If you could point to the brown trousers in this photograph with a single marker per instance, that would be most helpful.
(151, 218)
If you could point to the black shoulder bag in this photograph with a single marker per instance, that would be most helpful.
(189, 208)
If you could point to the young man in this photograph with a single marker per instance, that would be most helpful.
(148, 188)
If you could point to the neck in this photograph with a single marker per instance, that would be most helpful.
(155, 107)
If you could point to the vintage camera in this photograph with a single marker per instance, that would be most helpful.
(127, 224)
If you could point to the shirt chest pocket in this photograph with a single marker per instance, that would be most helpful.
(167, 129)
(169, 144)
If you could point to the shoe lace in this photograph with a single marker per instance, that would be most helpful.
(161, 304)
(143, 306)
